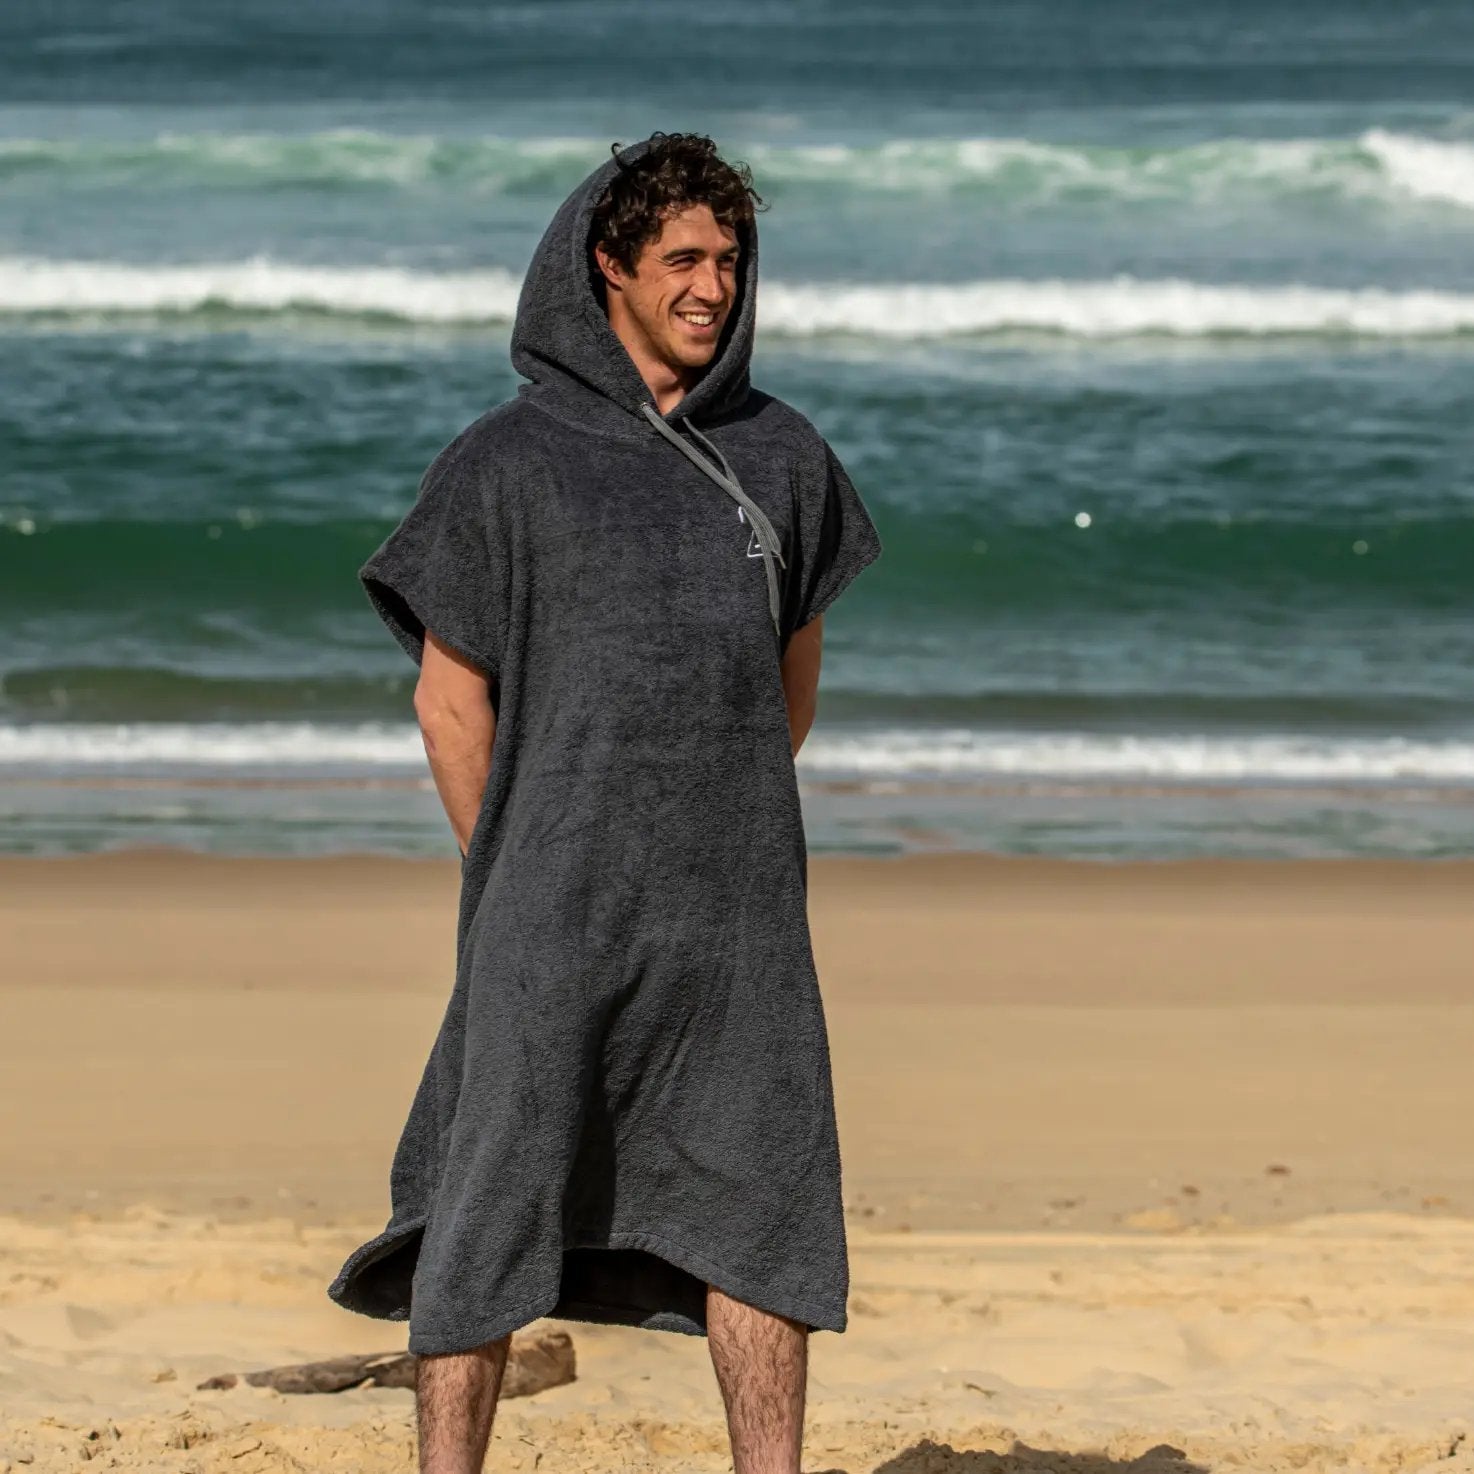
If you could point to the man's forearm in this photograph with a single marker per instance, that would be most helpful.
(458, 743)
(801, 663)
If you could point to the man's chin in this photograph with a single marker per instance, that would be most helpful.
(694, 355)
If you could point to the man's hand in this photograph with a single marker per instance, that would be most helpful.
(801, 679)
(453, 705)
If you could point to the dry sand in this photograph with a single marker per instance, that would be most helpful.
(1148, 1167)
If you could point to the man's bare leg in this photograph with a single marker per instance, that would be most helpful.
(455, 1401)
(761, 1363)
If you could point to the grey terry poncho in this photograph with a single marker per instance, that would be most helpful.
(630, 1093)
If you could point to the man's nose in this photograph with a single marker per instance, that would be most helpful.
(706, 282)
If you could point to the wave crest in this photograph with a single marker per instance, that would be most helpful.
(1121, 307)
(888, 753)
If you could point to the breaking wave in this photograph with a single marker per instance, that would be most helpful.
(382, 749)
(1120, 307)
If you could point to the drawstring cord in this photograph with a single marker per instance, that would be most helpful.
(763, 529)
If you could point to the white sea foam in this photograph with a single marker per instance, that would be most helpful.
(301, 749)
(963, 752)
(29, 285)
(287, 747)
(1121, 307)
(1426, 168)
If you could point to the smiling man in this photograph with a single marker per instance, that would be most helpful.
(670, 313)
(613, 585)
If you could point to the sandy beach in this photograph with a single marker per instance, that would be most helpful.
(1155, 1166)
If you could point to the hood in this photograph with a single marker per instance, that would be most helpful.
(563, 343)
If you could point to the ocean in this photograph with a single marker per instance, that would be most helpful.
(1146, 332)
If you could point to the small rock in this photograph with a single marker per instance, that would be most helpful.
(1276, 1169)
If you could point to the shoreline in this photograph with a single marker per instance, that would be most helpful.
(1405, 790)
(153, 852)
(1098, 821)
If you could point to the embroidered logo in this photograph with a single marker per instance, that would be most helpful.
(754, 550)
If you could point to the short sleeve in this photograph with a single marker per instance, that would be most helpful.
(835, 540)
(444, 567)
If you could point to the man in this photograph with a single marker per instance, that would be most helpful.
(614, 586)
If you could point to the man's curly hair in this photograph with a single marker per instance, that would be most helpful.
(677, 171)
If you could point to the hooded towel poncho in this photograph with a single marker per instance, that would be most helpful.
(629, 1096)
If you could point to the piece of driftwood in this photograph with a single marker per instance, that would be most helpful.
(537, 1360)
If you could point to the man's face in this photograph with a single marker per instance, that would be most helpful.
(683, 288)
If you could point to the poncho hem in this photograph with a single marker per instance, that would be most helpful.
(812, 1313)
(347, 1289)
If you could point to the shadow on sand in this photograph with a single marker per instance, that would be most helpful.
(927, 1457)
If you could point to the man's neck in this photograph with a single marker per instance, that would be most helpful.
(668, 386)
(669, 396)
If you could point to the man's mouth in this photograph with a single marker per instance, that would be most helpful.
(700, 322)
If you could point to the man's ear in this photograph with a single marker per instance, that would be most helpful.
(612, 272)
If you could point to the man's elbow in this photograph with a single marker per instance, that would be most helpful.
(442, 708)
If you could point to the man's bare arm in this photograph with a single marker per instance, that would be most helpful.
(453, 706)
(801, 679)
